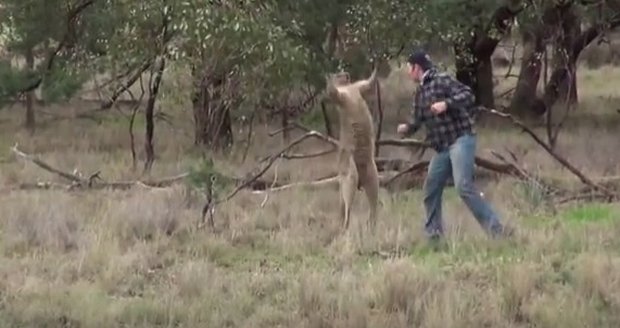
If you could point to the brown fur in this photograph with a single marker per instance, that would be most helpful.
(356, 155)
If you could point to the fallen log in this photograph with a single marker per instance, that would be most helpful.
(95, 182)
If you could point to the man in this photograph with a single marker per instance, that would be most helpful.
(446, 108)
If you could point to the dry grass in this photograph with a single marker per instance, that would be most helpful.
(135, 259)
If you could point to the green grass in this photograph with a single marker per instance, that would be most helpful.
(599, 213)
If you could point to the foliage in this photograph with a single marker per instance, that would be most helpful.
(263, 50)
(26, 24)
(61, 83)
(204, 175)
(11, 81)
(26, 28)
(269, 47)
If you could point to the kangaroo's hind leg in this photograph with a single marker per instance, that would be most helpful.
(370, 184)
(348, 187)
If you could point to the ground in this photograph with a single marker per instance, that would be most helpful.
(135, 258)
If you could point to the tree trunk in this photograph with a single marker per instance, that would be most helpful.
(212, 120)
(150, 109)
(476, 71)
(326, 120)
(562, 85)
(30, 95)
(564, 58)
(465, 66)
(473, 57)
(484, 86)
(524, 102)
(562, 75)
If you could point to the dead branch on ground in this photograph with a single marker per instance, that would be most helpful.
(404, 143)
(504, 167)
(333, 180)
(311, 155)
(416, 167)
(269, 162)
(94, 181)
(564, 162)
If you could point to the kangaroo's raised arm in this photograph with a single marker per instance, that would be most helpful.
(333, 81)
(365, 85)
(331, 91)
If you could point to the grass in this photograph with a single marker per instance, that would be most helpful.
(135, 259)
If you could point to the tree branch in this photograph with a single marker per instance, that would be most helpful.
(564, 162)
(71, 16)
(127, 85)
(93, 181)
(404, 143)
(270, 160)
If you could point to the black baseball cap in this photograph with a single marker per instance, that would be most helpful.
(421, 58)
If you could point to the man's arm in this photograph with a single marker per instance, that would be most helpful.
(415, 120)
(459, 95)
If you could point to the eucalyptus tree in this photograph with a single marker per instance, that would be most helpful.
(39, 51)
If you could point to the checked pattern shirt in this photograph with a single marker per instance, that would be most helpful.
(458, 119)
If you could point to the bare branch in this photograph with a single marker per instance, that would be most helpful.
(248, 181)
(127, 85)
(92, 182)
(306, 156)
(419, 166)
(333, 180)
(316, 134)
(45, 166)
(275, 181)
(582, 177)
(404, 143)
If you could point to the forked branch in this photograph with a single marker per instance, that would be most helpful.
(268, 163)
(564, 162)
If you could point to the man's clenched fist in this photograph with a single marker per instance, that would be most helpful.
(439, 107)
(402, 129)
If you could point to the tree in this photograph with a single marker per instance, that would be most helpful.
(558, 25)
(475, 28)
(27, 39)
(235, 54)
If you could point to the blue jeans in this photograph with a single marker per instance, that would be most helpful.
(457, 160)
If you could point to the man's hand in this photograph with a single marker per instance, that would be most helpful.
(439, 107)
(402, 129)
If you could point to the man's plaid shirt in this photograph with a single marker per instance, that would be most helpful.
(458, 119)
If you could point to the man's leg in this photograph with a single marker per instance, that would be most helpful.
(462, 156)
(438, 173)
